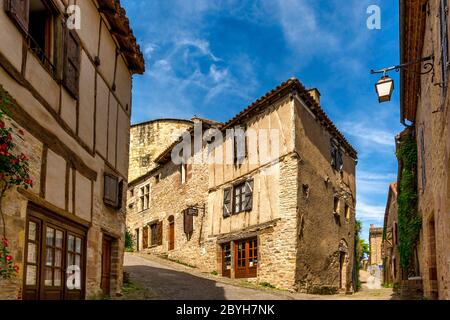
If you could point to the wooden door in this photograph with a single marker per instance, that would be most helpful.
(171, 233)
(53, 248)
(53, 244)
(246, 258)
(106, 265)
(226, 260)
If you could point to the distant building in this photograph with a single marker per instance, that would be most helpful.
(287, 220)
(391, 256)
(375, 243)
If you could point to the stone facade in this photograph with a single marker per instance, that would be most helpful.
(375, 243)
(391, 256)
(148, 140)
(294, 191)
(425, 103)
(74, 132)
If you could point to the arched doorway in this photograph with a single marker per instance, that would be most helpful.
(171, 233)
(343, 264)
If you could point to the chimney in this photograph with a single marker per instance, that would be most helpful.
(315, 93)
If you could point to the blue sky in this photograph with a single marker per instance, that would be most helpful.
(213, 58)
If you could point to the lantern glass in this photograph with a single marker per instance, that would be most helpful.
(384, 88)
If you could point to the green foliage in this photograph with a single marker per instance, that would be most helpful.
(409, 221)
(129, 241)
(215, 273)
(267, 285)
(7, 267)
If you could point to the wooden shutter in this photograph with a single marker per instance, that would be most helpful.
(333, 152)
(389, 237)
(159, 231)
(72, 62)
(227, 210)
(340, 161)
(248, 202)
(188, 222)
(111, 190)
(145, 237)
(18, 11)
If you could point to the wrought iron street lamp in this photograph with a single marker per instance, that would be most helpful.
(385, 86)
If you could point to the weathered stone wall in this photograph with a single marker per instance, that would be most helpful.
(432, 118)
(148, 140)
(169, 197)
(322, 234)
(391, 256)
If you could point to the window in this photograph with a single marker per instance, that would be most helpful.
(144, 197)
(336, 206)
(347, 212)
(238, 199)
(443, 12)
(145, 161)
(183, 172)
(154, 234)
(113, 189)
(131, 193)
(395, 233)
(41, 30)
(240, 145)
(54, 251)
(336, 157)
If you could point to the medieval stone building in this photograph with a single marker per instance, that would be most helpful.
(391, 256)
(375, 244)
(425, 110)
(282, 211)
(67, 88)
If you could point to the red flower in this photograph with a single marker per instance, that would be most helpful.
(5, 242)
(16, 268)
(29, 181)
(8, 258)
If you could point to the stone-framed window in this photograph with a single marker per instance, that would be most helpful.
(347, 211)
(144, 197)
(336, 205)
(238, 198)
(337, 162)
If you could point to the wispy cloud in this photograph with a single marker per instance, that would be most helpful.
(370, 212)
(367, 134)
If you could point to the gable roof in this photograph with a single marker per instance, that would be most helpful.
(289, 87)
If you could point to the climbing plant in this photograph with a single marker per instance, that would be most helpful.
(409, 221)
(14, 172)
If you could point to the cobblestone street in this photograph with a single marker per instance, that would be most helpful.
(167, 280)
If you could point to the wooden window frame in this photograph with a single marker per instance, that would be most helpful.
(118, 184)
(242, 195)
(153, 234)
(46, 218)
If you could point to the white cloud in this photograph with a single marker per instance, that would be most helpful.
(200, 44)
(367, 134)
(369, 212)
